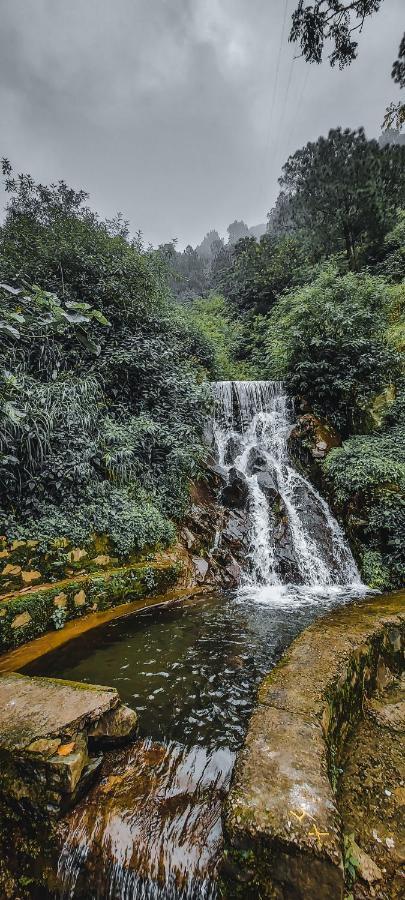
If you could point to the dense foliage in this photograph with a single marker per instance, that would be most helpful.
(320, 299)
(328, 341)
(368, 478)
(335, 21)
(345, 190)
(101, 410)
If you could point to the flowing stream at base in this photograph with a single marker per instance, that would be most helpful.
(151, 829)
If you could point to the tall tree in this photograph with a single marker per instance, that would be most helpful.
(345, 189)
(237, 230)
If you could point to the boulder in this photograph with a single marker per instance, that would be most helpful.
(233, 449)
(201, 567)
(257, 461)
(268, 485)
(236, 492)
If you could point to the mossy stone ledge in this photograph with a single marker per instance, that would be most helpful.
(282, 824)
(51, 734)
(25, 615)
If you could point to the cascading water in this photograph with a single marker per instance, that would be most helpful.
(287, 516)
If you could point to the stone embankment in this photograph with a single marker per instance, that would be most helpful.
(51, 734)
(283, 822)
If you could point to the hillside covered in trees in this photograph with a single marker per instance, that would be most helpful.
(105, 362)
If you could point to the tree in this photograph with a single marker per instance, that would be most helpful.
(205, 248)
(259, 271)
(345, 189)
(336, 21)
(237, 230)
(101, 410)
(330, 20)
(328, 340)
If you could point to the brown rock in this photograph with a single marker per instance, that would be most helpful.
(76, 554)
(10, 569)
(79, 599)
(29, 577)
(366, 869)
(44, 746)
(118, 725)
(101, 560)
(60, 600)
(21, 620)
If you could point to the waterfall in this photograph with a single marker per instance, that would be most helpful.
(293, 536)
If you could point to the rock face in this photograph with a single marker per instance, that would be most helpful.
(371, 796)
(236, 492)
(216, 535)
(282, 819)
(51, 732)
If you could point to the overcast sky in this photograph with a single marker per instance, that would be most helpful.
(171, 110)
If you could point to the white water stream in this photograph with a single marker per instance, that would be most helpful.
(252, 422)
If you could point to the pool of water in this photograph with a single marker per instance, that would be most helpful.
(151, 830)
(191, 671)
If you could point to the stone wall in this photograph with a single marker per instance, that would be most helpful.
(283, 828)
(26, 615)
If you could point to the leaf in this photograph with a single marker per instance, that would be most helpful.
(87, 342)
(74, 304)
(96, 314)
(10, 330)
(14, 414)
(74, 318)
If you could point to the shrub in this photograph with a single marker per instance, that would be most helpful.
(328, 341)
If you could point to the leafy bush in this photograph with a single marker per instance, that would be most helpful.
(213, 318)
(367, 475)
(328, 341)
(101, 402)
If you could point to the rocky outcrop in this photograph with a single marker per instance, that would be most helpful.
(236, 491)
(51, 734)
(282, 819)
(214, 533)
(310, 441)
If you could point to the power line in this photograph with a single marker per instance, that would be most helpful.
(275, 85)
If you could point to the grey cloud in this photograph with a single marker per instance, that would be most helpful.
(164, 108)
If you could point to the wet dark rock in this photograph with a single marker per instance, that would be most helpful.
(236, 530)
(257, 462)
(268, 485)
(233, 570)
(236, 492)
(233, 448)
(218, 473)
(286, 558)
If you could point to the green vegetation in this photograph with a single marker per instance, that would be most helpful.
(101, 402)
(215, 319)
(103, 399)
(328, 341)
(321, 301)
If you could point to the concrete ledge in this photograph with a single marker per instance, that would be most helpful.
(283, 828)
(49, 730)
